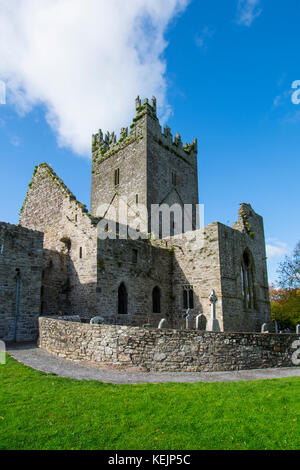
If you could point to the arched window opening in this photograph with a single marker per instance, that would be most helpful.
(188, 297)
(247, 280)
(122, 300)
(156, 300)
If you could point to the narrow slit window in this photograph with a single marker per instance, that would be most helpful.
(80, 252)
(172, 224)
(117, 177)
(122, 300)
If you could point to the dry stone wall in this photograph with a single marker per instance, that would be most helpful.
(164, 350)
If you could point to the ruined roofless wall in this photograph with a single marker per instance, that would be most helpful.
(21, 257)
(165, 350)
(70, 244)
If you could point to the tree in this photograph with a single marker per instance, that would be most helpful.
(285, 307)
(289, 270)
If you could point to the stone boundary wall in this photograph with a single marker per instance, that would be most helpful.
(164, 350)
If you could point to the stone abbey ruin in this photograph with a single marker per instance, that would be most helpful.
(56, 263)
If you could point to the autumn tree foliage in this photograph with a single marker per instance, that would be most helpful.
(285, 301)
(285, 307)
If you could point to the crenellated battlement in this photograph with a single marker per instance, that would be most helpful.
(105, 145)
(176, 146)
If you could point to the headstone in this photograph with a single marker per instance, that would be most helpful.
(201, 322)
(264, 328)
(276, 326)
(213, 324)
(163, 324)
(189, 320)
(96, 320)
(73, 318)
(298, 329)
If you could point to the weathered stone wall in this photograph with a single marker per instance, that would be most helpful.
(82, 274)
(146, 159)
(21, 259)
(141, 266)
(216, 264)
(246, 234)
(165, 158)
(129, 157)
(197, 264)
(165, 350)
(70, 244)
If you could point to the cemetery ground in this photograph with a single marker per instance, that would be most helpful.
(43, 411)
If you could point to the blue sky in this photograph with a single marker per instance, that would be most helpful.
(222, 72)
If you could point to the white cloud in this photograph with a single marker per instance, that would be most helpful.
(202, 38)
(276, 249)
(2, 92)
(248, 10)
(84, 60)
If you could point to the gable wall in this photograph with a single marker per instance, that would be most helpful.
(69, 282)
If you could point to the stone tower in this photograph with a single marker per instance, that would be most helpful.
(146, 166)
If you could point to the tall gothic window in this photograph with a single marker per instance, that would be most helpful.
(188, 297)
(156, 300)
(122, 300)
(247, 280)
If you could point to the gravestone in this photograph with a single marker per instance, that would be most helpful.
(213, 323)
(298, 329)
(189, 320)
(96, 321)
(201, 322)
(264, 328)
(163, 324)
(73, 318)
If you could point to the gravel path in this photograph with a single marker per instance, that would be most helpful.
(32, 356)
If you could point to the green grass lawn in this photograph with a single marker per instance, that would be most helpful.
(41, 411)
